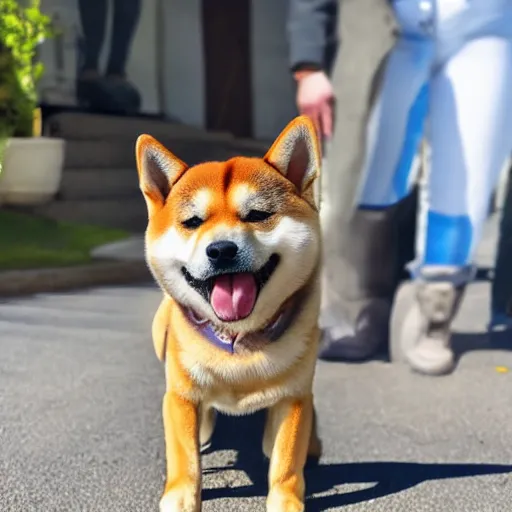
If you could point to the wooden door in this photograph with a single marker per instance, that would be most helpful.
(227, 56)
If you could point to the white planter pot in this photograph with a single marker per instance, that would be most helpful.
(31, 171)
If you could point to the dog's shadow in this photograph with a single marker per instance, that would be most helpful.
(244, 435)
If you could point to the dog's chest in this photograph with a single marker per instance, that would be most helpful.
(242, 401)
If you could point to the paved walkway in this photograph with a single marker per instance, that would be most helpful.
(80, 419)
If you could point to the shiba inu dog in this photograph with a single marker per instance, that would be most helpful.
(235, 246)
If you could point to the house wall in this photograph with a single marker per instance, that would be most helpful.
(183, 65)
(59, 55)
(273, 87)
(177, 63)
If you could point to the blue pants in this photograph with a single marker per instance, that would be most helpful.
(450, 73)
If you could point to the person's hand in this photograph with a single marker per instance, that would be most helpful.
(315, 98)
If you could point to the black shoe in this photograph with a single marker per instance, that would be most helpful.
(121, 95)
(108, 95)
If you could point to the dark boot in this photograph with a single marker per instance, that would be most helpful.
(371, 267)
(114, 95)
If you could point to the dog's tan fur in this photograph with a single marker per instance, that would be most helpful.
(201, 377)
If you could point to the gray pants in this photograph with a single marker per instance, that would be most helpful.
(367, 34)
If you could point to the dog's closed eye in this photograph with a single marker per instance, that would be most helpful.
(193, 223)
(257, 216)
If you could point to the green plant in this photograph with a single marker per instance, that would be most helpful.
(23, 27)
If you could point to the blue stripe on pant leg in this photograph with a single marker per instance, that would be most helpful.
(412, 139)
(449, 239)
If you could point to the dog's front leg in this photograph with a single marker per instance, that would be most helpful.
(289, 425)
(183, 486)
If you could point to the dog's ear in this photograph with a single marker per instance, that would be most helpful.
(158, 170)
(296, 153)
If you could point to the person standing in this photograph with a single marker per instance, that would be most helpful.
(446, 55)
(336, 86)
(111, 92)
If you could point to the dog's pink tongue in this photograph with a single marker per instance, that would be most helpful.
(233, 296)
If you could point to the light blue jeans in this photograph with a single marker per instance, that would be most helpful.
(450, 73)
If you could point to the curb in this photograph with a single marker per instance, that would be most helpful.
(101, 273)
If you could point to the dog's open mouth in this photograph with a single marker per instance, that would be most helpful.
(233, 295)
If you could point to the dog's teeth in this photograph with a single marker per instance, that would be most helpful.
(222, 335)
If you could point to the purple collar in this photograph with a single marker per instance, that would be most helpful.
(249, 342)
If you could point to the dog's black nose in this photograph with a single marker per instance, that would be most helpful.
(222, 251)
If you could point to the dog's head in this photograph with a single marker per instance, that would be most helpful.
(233, 240)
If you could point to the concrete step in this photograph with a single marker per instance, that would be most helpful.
(119, 154)
(129, 213)
(83, 126)
(98, 154)
(87, 183)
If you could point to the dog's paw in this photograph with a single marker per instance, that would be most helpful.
(282, 501)
(180, 499)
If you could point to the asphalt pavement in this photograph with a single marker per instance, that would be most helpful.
(81, 430)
